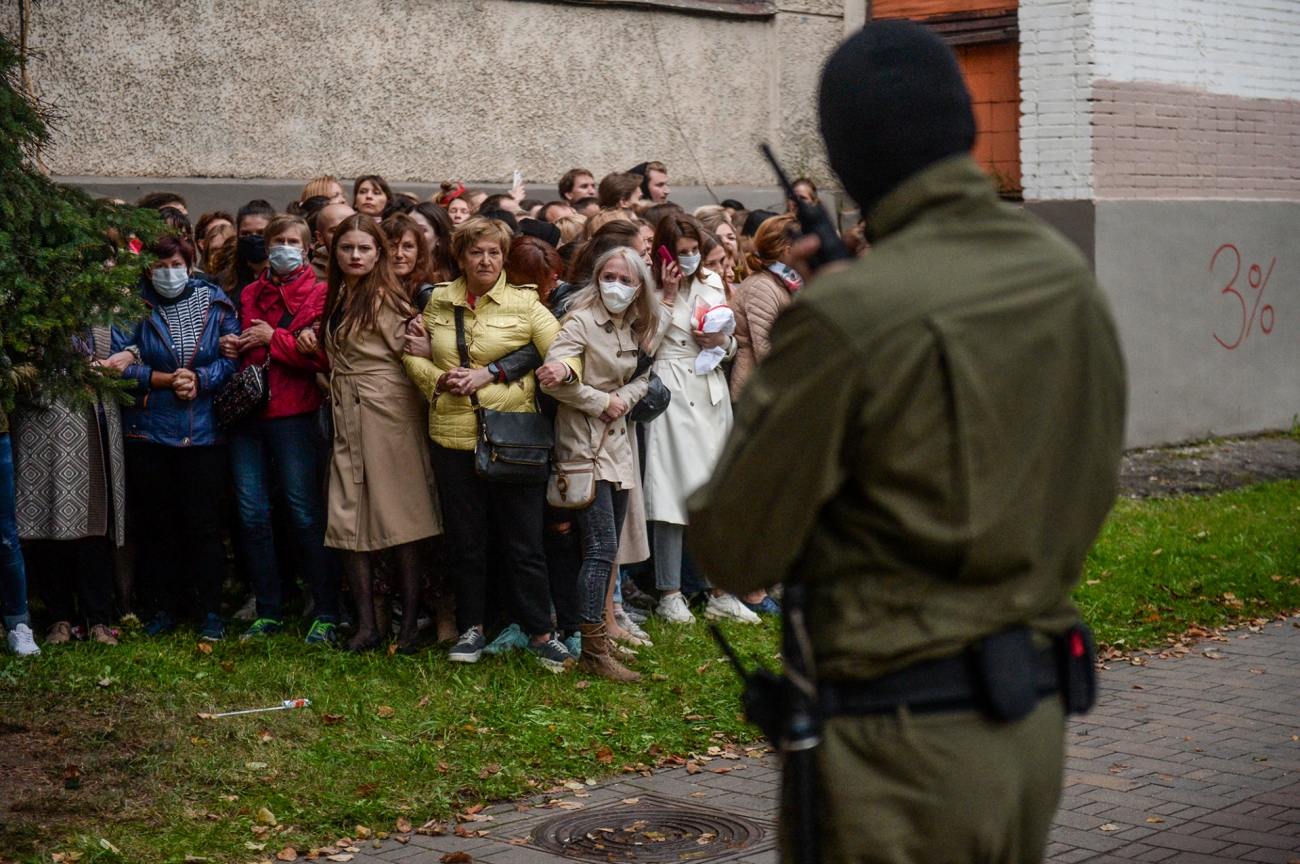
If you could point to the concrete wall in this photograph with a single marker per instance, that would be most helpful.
(1203, 362)
(425, 91)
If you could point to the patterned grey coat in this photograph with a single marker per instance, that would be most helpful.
(69, 470)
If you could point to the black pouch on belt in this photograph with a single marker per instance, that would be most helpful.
(1006, 664)
(1076, 659)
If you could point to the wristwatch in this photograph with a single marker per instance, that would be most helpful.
(498, 374)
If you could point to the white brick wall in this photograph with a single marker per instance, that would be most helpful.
(1055, 81)
(1248, 48)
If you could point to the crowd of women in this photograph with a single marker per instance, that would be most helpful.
(481, 412)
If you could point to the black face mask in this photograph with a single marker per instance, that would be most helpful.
(252, 248)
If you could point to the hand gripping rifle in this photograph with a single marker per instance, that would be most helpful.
(784, 708)
(813, 219)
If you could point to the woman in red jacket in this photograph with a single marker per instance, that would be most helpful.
(278, 447)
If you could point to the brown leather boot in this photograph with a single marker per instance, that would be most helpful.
(596, 658)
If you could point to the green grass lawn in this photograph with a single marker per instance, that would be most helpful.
(419, 737)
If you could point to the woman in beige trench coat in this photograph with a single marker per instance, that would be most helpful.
(381, 492)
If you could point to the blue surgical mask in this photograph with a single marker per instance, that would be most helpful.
(689, 263)
(169, 282)
(285, 259)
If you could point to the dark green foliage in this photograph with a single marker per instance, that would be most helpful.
(56, 275)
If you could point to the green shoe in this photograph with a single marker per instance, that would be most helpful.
(511, 639)
(322, 633)
(262, 627)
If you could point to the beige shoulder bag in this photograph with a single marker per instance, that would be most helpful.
(573, 484)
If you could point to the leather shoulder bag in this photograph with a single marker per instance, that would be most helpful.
(513, 446)
(573, 482)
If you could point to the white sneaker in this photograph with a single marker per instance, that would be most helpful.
(673, 608)
(729, 608)
(638, 635)
(22, 642)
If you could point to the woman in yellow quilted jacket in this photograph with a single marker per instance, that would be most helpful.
(477, 513)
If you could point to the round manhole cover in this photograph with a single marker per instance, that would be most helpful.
(653, 832)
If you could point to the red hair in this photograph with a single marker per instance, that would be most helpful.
(533, 262)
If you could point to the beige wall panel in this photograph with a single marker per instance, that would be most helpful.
(1202, 362)
(422, 90)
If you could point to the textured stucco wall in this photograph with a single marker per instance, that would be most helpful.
(1203, 362)
(425, 90)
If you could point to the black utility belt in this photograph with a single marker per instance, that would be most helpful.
(1004, 675)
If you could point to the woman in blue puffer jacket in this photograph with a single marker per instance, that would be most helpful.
(175, 452)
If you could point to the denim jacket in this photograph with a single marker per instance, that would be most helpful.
(159, 416)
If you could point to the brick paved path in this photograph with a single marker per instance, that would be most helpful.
(1183, 761)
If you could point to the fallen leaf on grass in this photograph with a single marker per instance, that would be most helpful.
(582, 685)
(288, 853)
(260, 830)
(104, 844)
(264, 815)
(456, 858)
(365, 790)
(385, 711)
(227, 666)
(1110, 826)
(403, 825)
(605, 754)
(332, 719)
(362, 832)
(423, 701)
(488, 771)
(256, 847)
(194, 859)
(1154, 819)
(693, 768)
(104, 682)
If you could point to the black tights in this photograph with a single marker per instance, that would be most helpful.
(357, 565)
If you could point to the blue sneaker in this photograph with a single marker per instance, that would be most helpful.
(574, 644)
(511, 639)
(160, 624)
(262, 627)
(767, 607)
(214, 629)
(322, 633)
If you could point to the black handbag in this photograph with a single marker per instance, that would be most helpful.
(657, 395)
(245, 395)
(513, 446)
(248, 391)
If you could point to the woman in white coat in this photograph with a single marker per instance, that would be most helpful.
(684, 443)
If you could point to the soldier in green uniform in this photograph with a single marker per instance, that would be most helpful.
(931, 448)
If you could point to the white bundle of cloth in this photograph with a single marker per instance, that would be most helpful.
(713, 319)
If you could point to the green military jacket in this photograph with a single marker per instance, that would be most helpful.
(933, 441)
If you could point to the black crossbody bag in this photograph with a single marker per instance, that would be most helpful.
(513, 446)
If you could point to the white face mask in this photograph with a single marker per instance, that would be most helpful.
(285, 259)
(689, 263)
(617, 296)
(169, 282)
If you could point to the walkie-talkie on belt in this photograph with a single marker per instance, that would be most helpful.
(813, 218)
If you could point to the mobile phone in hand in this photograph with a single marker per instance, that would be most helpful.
(665, 256)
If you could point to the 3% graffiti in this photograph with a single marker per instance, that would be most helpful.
(1258, 280)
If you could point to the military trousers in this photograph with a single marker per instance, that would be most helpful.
(942, 788)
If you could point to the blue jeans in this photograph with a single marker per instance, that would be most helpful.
(13, 575)
(286, 446)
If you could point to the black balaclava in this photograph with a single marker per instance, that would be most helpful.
(644, 170)
(892, 102)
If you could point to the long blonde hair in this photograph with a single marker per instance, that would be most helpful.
(641, 313)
